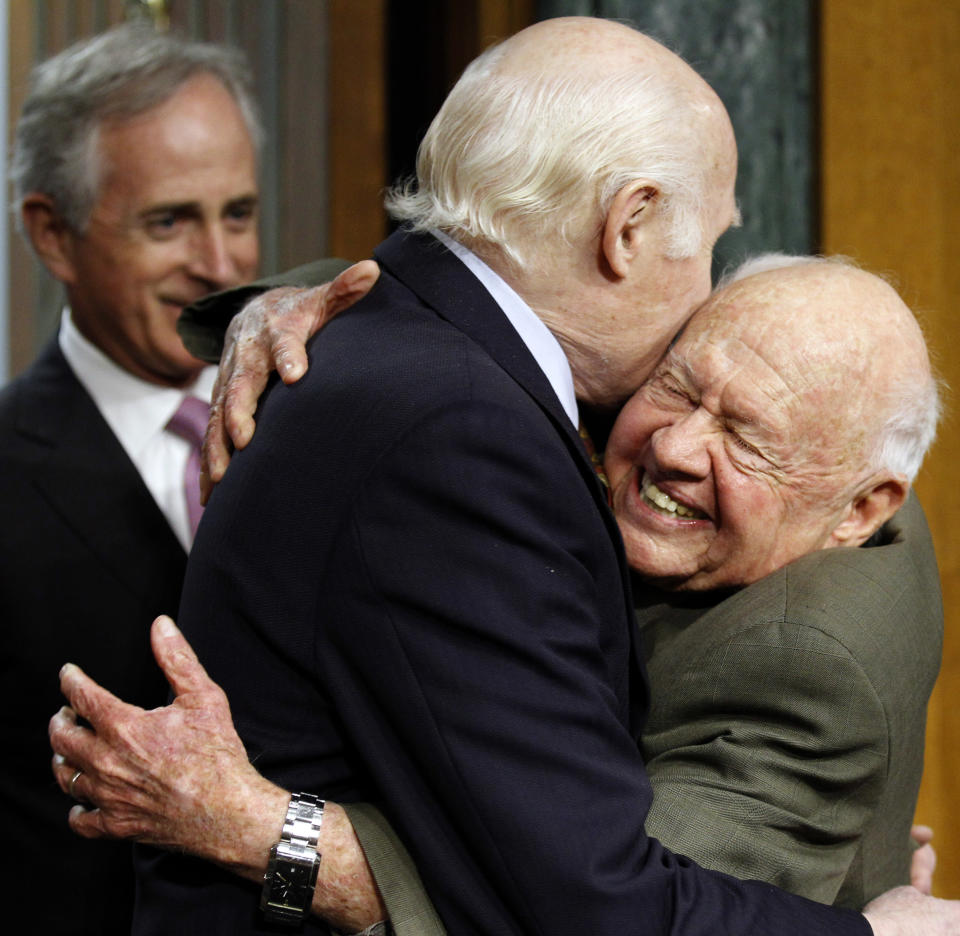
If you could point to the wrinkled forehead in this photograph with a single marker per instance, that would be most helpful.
(792, 320)
(761, 351)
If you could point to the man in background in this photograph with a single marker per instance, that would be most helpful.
(134, 169)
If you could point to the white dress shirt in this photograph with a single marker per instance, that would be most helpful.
(535, 335)
(137, 412)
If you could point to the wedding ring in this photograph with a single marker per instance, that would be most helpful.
(73, 780)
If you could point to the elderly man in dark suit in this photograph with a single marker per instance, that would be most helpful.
(428, 601)
(134, 166)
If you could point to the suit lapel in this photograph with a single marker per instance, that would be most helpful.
(449, 288)
(86, 477)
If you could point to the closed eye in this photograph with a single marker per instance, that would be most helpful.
(675, 393)
(744, 445)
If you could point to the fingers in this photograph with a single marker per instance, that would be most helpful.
(88, 699)
(62, 725)
(922, 867)
(216, 450)
(73, 781)
(289, 354)
(76, 750)
(87, 823)
(924, 860)
(241, 395)
(351, 286)
(77, 747)
(176, 658)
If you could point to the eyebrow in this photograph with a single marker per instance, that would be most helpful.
(676, 361)
(673, 359)
(252, 200)
(193, 207)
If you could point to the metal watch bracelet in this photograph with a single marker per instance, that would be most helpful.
(294, 862)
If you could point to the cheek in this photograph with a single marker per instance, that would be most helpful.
(629, 437)
(153, 265)
(246, 255)
(691, 283)
(751, 515)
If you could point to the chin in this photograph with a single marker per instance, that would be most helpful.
(182, 371)
(657, 570)
(660, 572)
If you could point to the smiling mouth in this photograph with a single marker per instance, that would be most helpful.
(180, 302)
(664, 504)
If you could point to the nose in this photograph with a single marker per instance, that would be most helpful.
(681, 448)
(212, 259)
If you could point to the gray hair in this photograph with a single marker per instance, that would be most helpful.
(912, 407)
(113, 76)
(519, 162)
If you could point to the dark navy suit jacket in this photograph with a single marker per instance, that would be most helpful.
(413, 592)
(87, 560)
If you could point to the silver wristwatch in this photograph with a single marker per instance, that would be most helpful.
(294, 862)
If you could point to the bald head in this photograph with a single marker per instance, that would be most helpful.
(790, 416)
(850, 345)
(543, 130)
(589, 44)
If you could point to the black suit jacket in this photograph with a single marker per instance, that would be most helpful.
(86, 561)
(412, 590)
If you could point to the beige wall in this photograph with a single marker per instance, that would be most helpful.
(891, 199)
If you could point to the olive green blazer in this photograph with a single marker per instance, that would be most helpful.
(786, 728)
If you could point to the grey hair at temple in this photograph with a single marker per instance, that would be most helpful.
(114, 76)
(910, 408)
(520, 161)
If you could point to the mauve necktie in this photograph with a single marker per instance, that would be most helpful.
(190, 422)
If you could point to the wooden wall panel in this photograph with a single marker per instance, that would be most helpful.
(891, 199)
(21, 291)
(358, 126)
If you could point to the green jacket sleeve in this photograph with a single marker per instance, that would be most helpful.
(410, 910)
(202, 326)
(768, 755)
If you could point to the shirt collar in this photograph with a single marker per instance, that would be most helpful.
(135, 409)
(539, 340)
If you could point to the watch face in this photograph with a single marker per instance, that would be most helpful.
(291, 876)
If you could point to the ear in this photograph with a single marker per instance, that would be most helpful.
(51, 238)
(626, 224)
(869, 511)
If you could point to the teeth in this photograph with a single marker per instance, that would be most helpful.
(663, 502)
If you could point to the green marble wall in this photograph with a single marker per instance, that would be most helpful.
(759, 56)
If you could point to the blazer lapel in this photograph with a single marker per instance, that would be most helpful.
(449, 288)
(441, 281)
(86, 477)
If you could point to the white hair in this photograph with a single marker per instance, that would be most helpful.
(116, 75)
(520, 162)
(912, 404)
